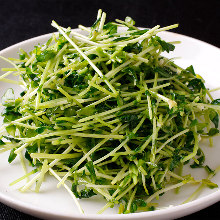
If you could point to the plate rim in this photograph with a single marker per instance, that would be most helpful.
(171, 211)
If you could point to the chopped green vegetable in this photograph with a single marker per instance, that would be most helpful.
(12, 156)
(45, 56)
(108, 113)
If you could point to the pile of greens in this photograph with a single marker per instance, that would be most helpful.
(107, 113)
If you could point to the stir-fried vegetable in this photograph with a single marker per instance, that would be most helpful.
(107, 113)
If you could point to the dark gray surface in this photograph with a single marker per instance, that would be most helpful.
(21, 20)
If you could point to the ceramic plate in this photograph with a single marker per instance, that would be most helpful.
(53, 203)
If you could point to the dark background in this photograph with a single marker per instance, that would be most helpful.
(24, 19)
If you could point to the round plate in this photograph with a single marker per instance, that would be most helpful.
(53, 203)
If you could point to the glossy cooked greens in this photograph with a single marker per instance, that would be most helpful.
(109, 114)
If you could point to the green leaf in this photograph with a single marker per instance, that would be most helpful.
(216, 102)
(85, 193)
(7, 97)
(191, 70)
(132, 136)
(31, 133)
(21, 56)
(132, 72)
(41, 130)
(74, 190)
(11, 129)
(86, 111)
(121, 39)
(91, 169)
(196, 85)
(140, 202)
(213, 131)
(2, 142)
(164, 71)
(151, 208)
(200, 164)
(133, 48)
(10, 114)
(194, 123)
(111, 27)
(12, 156)
(140, 32)
(165, 46)
(176, 158)
(28, 157)
(201, 126)
(214, 117)
(45, 56)
(209, 170)
(95, 23)
(209, 183)
(131, 119)
(13, 140)
(134, 207)
(33, 148)
(125, 181)
(49, 41)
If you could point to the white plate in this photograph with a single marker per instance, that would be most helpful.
(53, 203)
